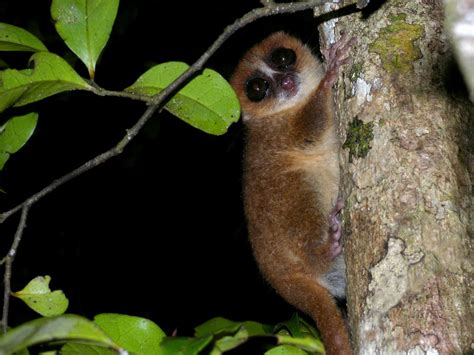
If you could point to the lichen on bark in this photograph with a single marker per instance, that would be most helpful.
(359, 136)
(396, 44)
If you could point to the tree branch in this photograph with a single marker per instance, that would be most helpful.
(269, 10)
(155, 103)
(158, 100)
(96, 89)
(8, 260)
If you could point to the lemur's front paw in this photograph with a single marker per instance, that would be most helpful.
(335, 229)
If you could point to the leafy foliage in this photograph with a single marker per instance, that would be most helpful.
(51, 75)
(219, 335)
(286, 350)
(207, 102)
(110, 332)
(39, 297)
(184, 346)
(14, 134)
(137, 335)
(57, 330)
(17, 39)
(85, 26)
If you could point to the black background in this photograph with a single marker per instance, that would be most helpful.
(159, 231)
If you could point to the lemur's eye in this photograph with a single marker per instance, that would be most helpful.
(282, 58)
(257, 89)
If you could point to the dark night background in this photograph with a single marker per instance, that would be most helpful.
(159, 231)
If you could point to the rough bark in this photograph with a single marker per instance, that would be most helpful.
(407, 179)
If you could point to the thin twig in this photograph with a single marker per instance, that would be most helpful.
(163, 95)
(8, 266)
(155, 103)
(275, 9)
(96, 89)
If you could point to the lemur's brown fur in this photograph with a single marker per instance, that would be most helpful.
(291, 180)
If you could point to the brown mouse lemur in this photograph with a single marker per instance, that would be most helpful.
(291, 176)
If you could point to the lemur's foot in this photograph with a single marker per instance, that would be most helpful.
(336, 56)
(335, 229)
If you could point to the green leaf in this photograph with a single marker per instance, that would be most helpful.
(65, 328)
(286, 350)
(3, 159)
(301, 334)
(230, 334)
(257, 329)
(230, 342)
(38, 296)
(3, 64)
(183, 346)
(220, 325)
(294, 326)
(208, 102)
(51, 75)
(14, 38)
(298, 327)
(85, 26)
(308, 329)
(83, 349)
(137, 335)
(15, 133)
(307, 343)
(216, 326)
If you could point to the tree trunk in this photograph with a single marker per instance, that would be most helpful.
(407, 169)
